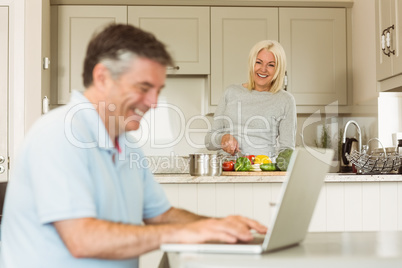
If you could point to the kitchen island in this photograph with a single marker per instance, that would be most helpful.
(345, 249)
(347, 202)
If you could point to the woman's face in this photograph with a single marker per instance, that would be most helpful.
(264, 70)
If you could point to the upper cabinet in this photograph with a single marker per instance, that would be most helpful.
(76, 26)
(314, 40)
(234, 31)
(216, 41)
(389, 43)
(184, 30)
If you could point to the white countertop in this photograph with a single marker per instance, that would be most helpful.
(331, 177)
(330, 250)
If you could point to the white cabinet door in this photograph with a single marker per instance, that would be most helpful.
(388, 39)
(397, 42)
(234, 31)
(4, 94)
(315, 43)
(77, 25)
(388, 20)
(184, 30)
(383, 21)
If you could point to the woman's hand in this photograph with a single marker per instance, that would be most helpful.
(229, 144)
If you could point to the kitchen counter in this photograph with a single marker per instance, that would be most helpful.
(337, 249)
(186, 178)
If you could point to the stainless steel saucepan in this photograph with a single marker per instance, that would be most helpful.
(201, 164)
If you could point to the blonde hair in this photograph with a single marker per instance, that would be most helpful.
(280, 63)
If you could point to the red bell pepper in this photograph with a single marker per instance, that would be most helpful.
(251, 158)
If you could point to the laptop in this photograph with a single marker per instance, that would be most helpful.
(295, 207)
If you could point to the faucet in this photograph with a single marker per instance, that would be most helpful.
(358, 132)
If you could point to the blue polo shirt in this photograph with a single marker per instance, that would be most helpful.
(69, 168)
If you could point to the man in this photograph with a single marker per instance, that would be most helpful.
(74, 200)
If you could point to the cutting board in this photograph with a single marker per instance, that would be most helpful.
(253, 173)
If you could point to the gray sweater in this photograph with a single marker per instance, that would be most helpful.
(262, 122)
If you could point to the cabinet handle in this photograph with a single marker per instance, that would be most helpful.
(173, 68)
(45, 105)
(386, 41)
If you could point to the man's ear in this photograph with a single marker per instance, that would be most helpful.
(100, 76)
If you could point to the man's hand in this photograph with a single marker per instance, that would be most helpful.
(229, 144)
(229, 230)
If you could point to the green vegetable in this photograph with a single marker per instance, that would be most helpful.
(282, 161)
(242, 164)
(268, 167)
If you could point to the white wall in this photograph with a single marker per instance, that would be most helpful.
(179, 123)
(389, 116)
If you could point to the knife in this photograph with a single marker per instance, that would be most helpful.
(239, 154)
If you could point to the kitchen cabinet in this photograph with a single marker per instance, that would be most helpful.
(234, 30)
(188, 42)
(217, 40)
(389, 43)
(314, 40)
(341, 206)
(76, 25)
(4, 94)
(37, 47)
(184, 30)
(346, 203)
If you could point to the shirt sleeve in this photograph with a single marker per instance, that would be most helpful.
(287, 127)
(155, 200)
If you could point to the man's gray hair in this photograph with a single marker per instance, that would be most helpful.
(121, 65)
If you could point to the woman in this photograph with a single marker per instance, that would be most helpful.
(257, 117)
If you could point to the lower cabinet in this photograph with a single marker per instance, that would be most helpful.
(347, 206)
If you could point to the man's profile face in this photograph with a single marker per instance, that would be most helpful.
(135, 92)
